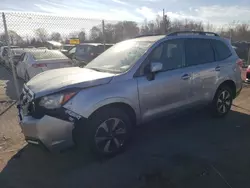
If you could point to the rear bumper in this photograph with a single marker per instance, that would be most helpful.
(53, 133)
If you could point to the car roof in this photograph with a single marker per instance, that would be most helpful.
(94, 44)
(150, 38)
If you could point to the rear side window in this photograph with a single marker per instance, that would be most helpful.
(198, 51)
(222, 50)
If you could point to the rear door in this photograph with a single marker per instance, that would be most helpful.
(200, 56)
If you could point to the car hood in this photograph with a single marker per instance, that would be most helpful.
(59, 79)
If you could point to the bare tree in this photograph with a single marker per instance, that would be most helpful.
(41, 34)
(56, 36)
(82, 35)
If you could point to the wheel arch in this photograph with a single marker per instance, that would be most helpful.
(128, 109)
(229, 83)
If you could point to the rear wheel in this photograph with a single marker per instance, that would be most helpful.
(107, 132)
(222, 101)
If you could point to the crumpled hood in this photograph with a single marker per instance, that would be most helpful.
(59, 79)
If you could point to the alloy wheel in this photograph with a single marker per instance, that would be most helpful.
(110, 135)
(224, 102)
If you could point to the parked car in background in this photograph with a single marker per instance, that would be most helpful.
(135, 81)
(66, 47)
(4, 52)
(35, 61)
(87, 52)
(44, 48)
(16, 54)
(71, 52)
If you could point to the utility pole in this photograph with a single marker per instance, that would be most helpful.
(164, 21)
(10, 55)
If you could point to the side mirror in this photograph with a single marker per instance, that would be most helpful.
(155, 67)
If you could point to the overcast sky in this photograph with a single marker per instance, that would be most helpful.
(215, 11)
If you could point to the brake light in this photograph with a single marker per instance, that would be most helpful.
(39, 65)
(239, 62)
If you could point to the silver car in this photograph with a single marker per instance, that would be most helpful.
(35, 61)
(134, 81)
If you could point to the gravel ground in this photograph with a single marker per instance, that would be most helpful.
(192, 150)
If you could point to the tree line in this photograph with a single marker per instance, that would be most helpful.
(115, 32)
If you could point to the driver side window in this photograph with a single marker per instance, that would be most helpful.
(170, 54)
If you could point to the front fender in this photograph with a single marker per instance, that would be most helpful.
(89, 100)
(113, 100)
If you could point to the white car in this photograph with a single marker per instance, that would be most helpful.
(35, 61)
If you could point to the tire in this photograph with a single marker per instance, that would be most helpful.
(106, 133)
(222, 101)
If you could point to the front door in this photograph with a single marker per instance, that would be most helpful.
(168, 91)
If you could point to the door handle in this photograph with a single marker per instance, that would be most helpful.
(185, 77)
(217, 68)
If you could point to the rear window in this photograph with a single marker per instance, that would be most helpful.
(81, 49)
(222, 50)
(48, 54)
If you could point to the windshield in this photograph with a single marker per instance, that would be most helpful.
(67, 47)
(120, 57)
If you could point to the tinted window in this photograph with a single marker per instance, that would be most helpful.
(157, 54)
(222, 51)
(172, 54)
(82, 49)
(169, 53)
(198, 51)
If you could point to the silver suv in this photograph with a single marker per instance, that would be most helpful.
(132, 82)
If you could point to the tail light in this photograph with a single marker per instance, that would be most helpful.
(248, 68)
(239, 62)
(39, 65)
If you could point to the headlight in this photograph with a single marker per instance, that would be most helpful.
(56, 100)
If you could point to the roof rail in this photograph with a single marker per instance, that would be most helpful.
(147, 35)
(193, 32)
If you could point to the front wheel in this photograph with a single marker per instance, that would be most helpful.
(107, 132)
(222, 101)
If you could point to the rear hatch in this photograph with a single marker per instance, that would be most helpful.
(52, 64)
(50, 59)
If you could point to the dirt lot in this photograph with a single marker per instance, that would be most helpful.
(192, 151)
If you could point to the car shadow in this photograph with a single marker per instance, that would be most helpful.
(9, 85)
(183, 148)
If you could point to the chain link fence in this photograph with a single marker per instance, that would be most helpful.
(31, 30)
